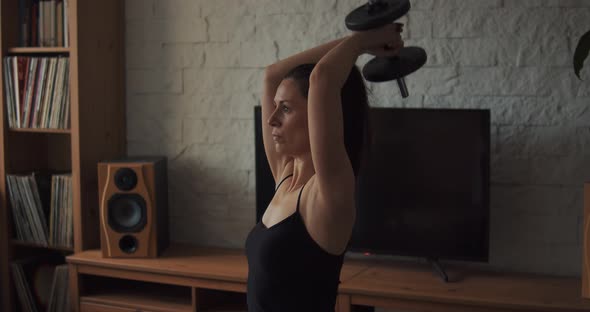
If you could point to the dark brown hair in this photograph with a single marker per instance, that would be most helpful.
(355, 110)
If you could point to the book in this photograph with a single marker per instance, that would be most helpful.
(42, 207)
(37, 91)
(41, 283)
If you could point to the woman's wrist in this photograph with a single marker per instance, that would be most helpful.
(357, 43)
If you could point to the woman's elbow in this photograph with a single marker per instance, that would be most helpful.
(325, 77)
(321, 75)
(270, 72)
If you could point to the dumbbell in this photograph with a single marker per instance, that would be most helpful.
(377, 13)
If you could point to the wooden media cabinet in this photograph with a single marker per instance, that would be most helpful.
(188, 278)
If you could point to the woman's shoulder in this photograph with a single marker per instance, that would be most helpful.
(329, 223)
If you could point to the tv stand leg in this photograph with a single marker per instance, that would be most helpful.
(438, 268)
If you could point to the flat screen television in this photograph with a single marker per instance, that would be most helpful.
(423, 190)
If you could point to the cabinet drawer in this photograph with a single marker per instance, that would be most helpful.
(93, 307)
(119, 295)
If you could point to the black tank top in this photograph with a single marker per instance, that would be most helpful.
(288, 270)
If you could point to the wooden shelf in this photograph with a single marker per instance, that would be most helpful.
(215, 277)
(218, 276)
(41, 130)
(19, 243)
(152, 299)
(37, 50)
(412, 286)
(185, 260)
(179, 260)
(96, 95)
(135, 300)
(115, 294)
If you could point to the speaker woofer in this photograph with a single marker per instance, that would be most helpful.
(125, 179)
(128, 244)
(127, 213)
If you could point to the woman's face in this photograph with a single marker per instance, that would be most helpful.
(288, 121)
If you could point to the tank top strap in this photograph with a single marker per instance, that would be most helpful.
(299, 198)
(283, 180)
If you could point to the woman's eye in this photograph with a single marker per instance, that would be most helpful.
(285, 109)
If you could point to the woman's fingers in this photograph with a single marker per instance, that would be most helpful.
(383, 41)
(393, 33)
(395, 44)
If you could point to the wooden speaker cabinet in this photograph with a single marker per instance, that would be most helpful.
(585, 242)
(133, 195)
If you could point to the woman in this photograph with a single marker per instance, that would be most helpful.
(316, 119)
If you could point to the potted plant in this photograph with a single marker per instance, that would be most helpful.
(581, 53)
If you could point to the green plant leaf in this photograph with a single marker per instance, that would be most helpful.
(581, 53)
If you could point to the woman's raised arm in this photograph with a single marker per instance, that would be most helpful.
(326, 129)
(273, 76)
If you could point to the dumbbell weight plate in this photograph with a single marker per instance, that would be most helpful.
(374, 16)
(407, 61)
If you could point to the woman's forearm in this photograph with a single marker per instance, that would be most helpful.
(335, 66)
(279, 69)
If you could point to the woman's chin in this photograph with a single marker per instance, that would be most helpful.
(279, 148)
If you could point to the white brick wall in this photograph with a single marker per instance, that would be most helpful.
(193, 75)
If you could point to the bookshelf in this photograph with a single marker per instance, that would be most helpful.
(94, 129)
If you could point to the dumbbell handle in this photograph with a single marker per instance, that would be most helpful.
(401, 83)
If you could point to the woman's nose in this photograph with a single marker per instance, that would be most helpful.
(273, 121)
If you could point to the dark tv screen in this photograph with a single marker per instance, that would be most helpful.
(423, 189)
